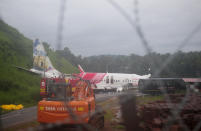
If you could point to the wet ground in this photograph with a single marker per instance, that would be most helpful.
(132, 110)
(20, 118)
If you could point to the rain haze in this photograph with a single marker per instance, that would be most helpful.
(94, 27)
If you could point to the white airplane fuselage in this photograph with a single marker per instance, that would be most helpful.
(112, 80)
(117, 80)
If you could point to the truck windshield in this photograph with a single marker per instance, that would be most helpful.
(59, 91)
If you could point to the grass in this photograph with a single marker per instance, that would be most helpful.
(146, 99)
(108, 115)
(119, 126)
(17, 86)
(108, 111)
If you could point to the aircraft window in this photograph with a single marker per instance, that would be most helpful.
(107, 79)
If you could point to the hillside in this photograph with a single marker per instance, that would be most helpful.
(16, 87)
(60, 62)
(15, 48)
(19, 87)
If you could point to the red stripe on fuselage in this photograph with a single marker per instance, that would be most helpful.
(92, 77)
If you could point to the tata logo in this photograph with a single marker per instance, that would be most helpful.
(50, 108)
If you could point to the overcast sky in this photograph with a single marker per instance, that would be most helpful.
(94, 27)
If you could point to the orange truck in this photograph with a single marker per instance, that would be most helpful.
(68, 103)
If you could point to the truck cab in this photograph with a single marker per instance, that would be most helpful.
(61, 104)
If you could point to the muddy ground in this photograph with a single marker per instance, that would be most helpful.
(151, 113)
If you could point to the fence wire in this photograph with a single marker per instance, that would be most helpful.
(61, 24)
(135, 24)
(175, 112)
(128, 99)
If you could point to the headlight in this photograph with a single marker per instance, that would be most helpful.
(42, 108)
(80, 109)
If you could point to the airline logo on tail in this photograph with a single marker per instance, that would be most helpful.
(38, 49)
(40, 59)
(41, 62)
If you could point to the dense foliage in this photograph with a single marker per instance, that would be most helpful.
(59, 60)
(182, 64)
(17, 86)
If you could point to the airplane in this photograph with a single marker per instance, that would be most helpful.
(103, 81)
(111, 81)
(41, 62)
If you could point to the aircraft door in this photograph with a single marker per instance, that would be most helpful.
(112, 80)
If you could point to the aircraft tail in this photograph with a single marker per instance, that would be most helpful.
(149, 75)
(80, 68)
(40, 59)
(146, 76)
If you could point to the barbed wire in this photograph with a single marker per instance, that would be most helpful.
(138, 28)
(186, 41)
(135, 24)
(60, 24)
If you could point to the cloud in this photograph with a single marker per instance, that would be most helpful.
(94, 27)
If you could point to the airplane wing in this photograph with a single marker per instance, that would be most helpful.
(24, 69)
